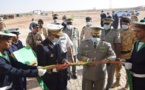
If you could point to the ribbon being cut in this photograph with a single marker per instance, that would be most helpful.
(27, 56)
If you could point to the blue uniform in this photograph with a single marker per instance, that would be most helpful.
(9, 70)
(19, 82)
(49, 54)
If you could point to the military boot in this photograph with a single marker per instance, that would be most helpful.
(116, 84)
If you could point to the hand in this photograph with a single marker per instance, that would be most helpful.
(41, 72)
(64, 66)
(128, 65)
(66, 62)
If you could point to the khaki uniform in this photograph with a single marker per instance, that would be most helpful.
(43, 32)
(74, 36)
(33, 40)
(127, 42)
(85, 33)
(113, 37)
(94, 75)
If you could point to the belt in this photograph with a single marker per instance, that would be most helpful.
(138, 75)
(125, 52)
(6, 87)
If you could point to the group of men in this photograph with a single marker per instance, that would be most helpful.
(62, 44)
(117, 18)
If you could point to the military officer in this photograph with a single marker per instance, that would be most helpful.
(102, 15)
(2, 26)
(20, 82)
(86, 32)
(55, 18)
(34, 38)
(95, 50)
(127, 41)
(73, 34)
(49, 53)
(41, 30)
(66, 47)
(136, 64)
(9, 69)
(112, 36)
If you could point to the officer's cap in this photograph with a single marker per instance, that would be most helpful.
(54, 29)
(40, 21)
(108, 20)
(140, 24)
(55, 15)
(88, 18)
(96, 30)
(6, 35)
(69, 20)
(126, 19)
(14, 31)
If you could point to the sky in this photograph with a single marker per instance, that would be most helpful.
(24, 6)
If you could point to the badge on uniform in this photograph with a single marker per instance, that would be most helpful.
(51, 55)
(62, 38)
(102, 48)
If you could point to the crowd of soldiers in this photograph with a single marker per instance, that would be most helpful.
(61, 43)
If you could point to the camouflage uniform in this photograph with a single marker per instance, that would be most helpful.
(127, 42)
(85, 34)
(33, 40)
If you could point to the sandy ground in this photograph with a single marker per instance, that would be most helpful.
(79, 22)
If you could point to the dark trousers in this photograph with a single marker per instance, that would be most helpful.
(138, 83)
(19, 83)
(65, 73)
(102, 24)
(54, 81)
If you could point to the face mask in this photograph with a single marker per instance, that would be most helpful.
(124, 27)
(69, 27)
(88, 23)
(95, 39)
(55, 40)
(55, 20)
(106, 27)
